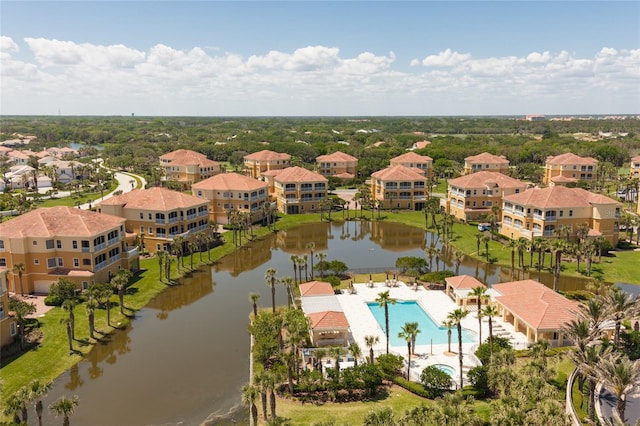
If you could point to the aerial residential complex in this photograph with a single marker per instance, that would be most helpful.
(187, 167)
(399, 187)
(414, 161)
(485, 162)
(259, 162)
(569, 167)
(338, 165)
(298, 190)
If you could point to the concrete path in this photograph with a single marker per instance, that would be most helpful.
(126, 183)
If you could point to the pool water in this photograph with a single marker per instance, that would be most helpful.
(411, 311)
(445, 368)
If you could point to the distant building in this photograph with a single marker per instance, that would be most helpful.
(486, 162)
(535, 117)
(399, 187)
(259, 162)
(634, 170)
(415, 161)
(569, 167)
(298, 190)
(188, 167)
(419, 145)
(338, 165)
(8, 325)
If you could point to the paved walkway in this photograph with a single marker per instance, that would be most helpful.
(607, 402)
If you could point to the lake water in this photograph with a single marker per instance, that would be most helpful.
(186, 355)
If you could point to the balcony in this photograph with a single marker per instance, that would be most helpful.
(99, 247)
(160, 221)
(203, 213)
(518, 213)
(113, 260)
(191, 216)
(173, 219)
(86, 249)
(113, 241)
(131, 252)
(100, 265)
(550, 218)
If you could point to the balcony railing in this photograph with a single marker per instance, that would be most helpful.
(113, 241)
(191, 216)
(86, 249)
(204, 213)
(550, 218)
(160, 221)
(101, 265)
(113, 259)
(131, 252)
(173, 219)
(99, 247)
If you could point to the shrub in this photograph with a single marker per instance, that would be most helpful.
(484, 350)
(391, 365)
(333, 280)
(412, 387)
(479, 379)
(437, 277)
(60, 291)
(435, 381)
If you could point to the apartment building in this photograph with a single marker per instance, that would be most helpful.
(8, 325)
(538, 212)
(232, 191)
(486, 162)
(63, 242)
(158, 215)
(258, 162)
(298, 190)
(338, 165)
(634, 170)
(399, 187)
(471, 196)
(187, 167)
(415, 161)
(569, 167)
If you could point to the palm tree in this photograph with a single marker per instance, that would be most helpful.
(621, 305)
(119, 282)
(254, 297)
(384, 301)
(479, 293)
(479, 237)
(322, 257)
(160, 256)
(64, 407)
(490, 311)
(449, 325)
(69, 328)
(414, 330)
(37, 391)
(405, 334)
(270, 278)
(486, 240)
(336, 352)
(558, 248)
(356, 352)
(311, 245)
(320, 354)
(249, 397)
(456, 317)
(621, 375)
(370, 341)
(91, 306)
(458, 256)
(19, 268)
(294, 260)
(13, 406)
(68, 305)
(287, 282)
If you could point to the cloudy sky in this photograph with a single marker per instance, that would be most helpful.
(305, 58)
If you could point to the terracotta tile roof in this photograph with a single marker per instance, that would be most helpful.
(316, 288)
(421, 144)
(570, 158)
(156, 198)
(463, 282)
(485, 157)
(328, 320)
(185, 156)
(563, 179)
(635, 159)
(397, 173)
(558, 196)
(336, 156)
(344, 175)
(231, 181)
(299, 174)
(411, 157)
(537, 305)
(482, 179)
(272, 172)
(59, 221)
(266, 155)
(71, 272)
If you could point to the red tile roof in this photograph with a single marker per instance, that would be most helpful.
(231, 181)
(328, 320)
(266, 155)
(411, 157)
(570, 158)
(336, 156)
(460, 282)
(482, 179)
(59, 221)
(156, 198)
(537, 305)
(316, 288)
(485, 157)
(185, 156)
(299, 174)
(397, 173)
(558, 196)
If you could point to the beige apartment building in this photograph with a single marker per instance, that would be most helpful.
(399, 187)
(486, 162)
(338, 165)
(471, 196)
(634, 170)
(157, 215)
(63, 242)
(415, 161)
(258, 162)
(8, 325)
(232, 191)
(187, 167)
(538, 212)
(569, 167)
(298, 190)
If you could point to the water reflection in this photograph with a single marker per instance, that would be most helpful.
(185, 356)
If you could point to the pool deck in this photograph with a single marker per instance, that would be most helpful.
(438, 305)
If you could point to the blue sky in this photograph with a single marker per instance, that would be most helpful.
(319, 58)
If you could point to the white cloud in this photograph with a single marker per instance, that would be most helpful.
(87, 78)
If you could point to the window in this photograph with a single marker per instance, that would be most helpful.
(59, 244)
(1, 244)
(51, 262)
(561, 213)
(60, 262)
(150, 216)
(36, 261)
(49, 244)
(86, 262)
(570, 213)
(75, 244)
(76, 262)
(141, 215)
(142, 229)
(151, 230)
(3, 261)
(12, 328)
(35, 243)
(85, 285)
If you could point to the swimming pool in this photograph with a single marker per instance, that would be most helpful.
(445, 368)
(410, 311)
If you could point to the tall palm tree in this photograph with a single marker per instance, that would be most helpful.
(294, 260)
(486, 240)
(311, 245)
(490, 311)
(405, 334)
(91, 306)
(558, 248)
(621, 375)
(449, 325)
(119, 282)
(320, 354)
(19, 268)
(479, 293)
(356, 352)
(254, 297)
(620, 305)
(287, 282)
(249, 397)
(322, 257)
(160, 256)
(67, 325)
(370, 341)
(456, 317)
(12, 407)
(336, 352)
(64, 407)
(384, 300)
(37, 391)
(68, 305)
(414, 330)
(271, 280)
